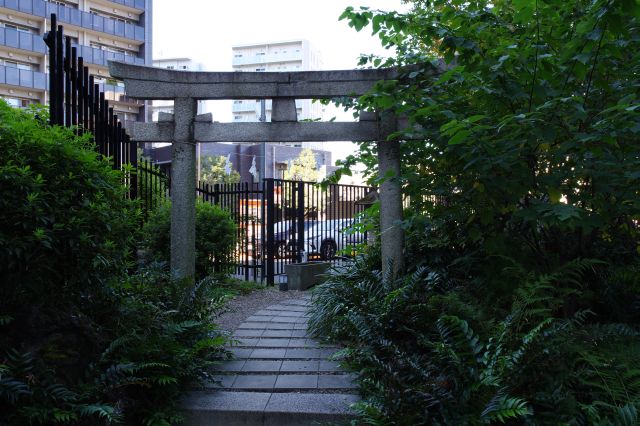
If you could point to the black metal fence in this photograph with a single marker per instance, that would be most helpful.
(153, 186)
(244, 202)
(75, 100)
(282, 222)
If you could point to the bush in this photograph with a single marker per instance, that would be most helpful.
(65, 225)
(429, 352)
(81, 341)
(215, 237)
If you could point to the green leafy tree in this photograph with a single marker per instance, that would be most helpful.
(213, 170)
(532, 129)
(304, 168)
(521, 166)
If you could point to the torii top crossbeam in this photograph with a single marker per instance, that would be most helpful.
(282, 87)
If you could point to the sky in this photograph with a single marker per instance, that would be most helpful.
(205, 31)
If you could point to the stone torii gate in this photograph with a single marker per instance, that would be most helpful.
(184, 128)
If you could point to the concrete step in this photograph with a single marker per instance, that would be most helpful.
(278, 366)
(266, 408)
(277, 342)
(279, 382)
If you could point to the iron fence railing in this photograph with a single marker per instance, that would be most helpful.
(75, 100)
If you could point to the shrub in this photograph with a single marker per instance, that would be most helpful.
(429, 352)
(65, 225)
(215, 237)
(81, 341)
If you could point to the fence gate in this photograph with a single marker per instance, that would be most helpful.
(283, 221)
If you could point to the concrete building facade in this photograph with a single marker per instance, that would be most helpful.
(292, 55)
(101, 30)
(180, 64)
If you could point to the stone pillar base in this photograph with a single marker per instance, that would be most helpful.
(301, 276)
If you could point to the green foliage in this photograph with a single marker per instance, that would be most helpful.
(304, 168)
(82, 340)
(520, 167)
(428, 353)
(212, 170)
(215, 237)
(528, 139)
(65, 225)
(158, 341)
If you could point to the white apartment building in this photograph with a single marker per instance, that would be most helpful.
(291, 55)
(180, 64)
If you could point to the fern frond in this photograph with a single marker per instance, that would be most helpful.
(503, 407)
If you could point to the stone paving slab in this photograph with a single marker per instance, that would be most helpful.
(311, 366)
(261, 366)
(329, 366)
(279, 342)
(325, 403)
(266, 408)
(278, 333)
(272, 326)
(255, 381)
(286, 313)
(297, 381)
(296, 308)
(262, 353)
(248, 333)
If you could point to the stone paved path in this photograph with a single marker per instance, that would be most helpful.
(279, 375)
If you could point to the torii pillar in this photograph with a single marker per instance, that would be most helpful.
(183, 181)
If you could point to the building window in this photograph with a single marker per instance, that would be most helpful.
(260, 69)
(239, 55)
(111, 16)
(18, 28)
(184, 67)
(63, 3)
(237, 102)
(17, 64)
(260, 54)
(237, 117)
(111, 49)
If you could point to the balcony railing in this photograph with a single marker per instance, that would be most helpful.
(97, 56)
(267, 59)
(255, 106)
(23, 78)
(38, 80)
(79, 18)
(21, 40)
(246, 106)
